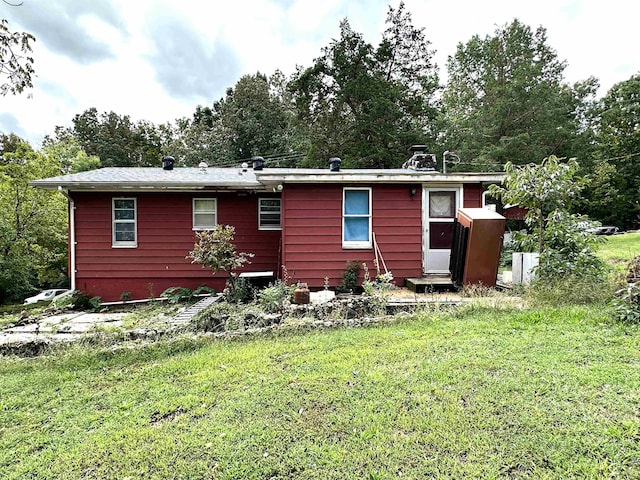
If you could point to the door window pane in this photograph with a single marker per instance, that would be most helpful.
(440, 235)
(442, 204)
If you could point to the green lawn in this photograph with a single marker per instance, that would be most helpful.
(476, 394)
(619, 249)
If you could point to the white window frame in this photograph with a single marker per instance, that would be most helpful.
(214, 211)
(357, 243)
(260, 212)
(124, 243)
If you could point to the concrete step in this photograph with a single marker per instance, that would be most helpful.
(430, 282)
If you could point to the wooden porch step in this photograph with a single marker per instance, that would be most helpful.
(420, 285)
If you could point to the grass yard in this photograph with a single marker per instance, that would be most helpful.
(619, 249)
(547, 393)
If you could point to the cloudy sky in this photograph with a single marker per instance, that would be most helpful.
(157, 60)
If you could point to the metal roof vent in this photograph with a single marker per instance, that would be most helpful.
(167, 163)
(334, 164)
(421, 161)
(203, 166)
(258, 163)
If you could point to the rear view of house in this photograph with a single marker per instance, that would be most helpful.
(130, 229)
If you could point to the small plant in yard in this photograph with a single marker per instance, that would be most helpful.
(382, 282)
(238, 290)
(215, 249)
(626, 304)
(274, 297)
(349, 281)
(125, 296)
(82, 301)
(177, 294)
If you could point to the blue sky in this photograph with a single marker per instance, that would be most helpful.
(157, 60)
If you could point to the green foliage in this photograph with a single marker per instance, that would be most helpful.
(183, 294)
(82, 301)
(275, 296)
(68, 153)
(256, 115)
(215, 249)
(570, 290)
(547, 191)
(368, 104)
(380, 283)
(177, 294)
(204, 290)
(16, 64)
(33, 225)
(614, 200)
(114, 139)
(349, 281)
(505, 100)
(570, 250)
(626, 304)
(238, 290)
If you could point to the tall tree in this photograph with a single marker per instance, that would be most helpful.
(369, 104)
(256, 116)
(115, 139)
(194, 140)
(16, 64)
(615, 197)
(68, 153)
(505, 99)
(33, 226)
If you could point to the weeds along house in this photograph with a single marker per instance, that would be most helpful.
(130, 229)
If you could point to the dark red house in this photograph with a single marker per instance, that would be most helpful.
(130, 229)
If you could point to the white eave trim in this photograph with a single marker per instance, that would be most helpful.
(271, 179)
(138, 187)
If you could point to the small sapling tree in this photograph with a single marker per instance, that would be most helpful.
(546, 191)
(215, 249)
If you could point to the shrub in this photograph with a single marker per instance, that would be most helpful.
(238, 290)
(177, 294)
(626, 304)
(349, 281)
(203, 289)
(382, 282)
(215, 249)
(82, 301)
(275, 296)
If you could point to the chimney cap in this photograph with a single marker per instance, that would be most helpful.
(257, 162)
(167, 162)
(334, 164)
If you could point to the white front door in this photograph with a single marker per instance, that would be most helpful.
(440, 207)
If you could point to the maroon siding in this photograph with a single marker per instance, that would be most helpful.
(165, 237)
(312, 234)
(472, 194)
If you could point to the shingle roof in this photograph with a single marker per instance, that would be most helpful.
(151, 177)
(142, 178)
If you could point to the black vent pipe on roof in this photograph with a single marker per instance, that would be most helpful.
(167, 163)
(258, 163)
(334, 164)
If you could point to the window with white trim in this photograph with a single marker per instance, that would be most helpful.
(124, 218)
(269, 214)
(205, 213)
(356, 218)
